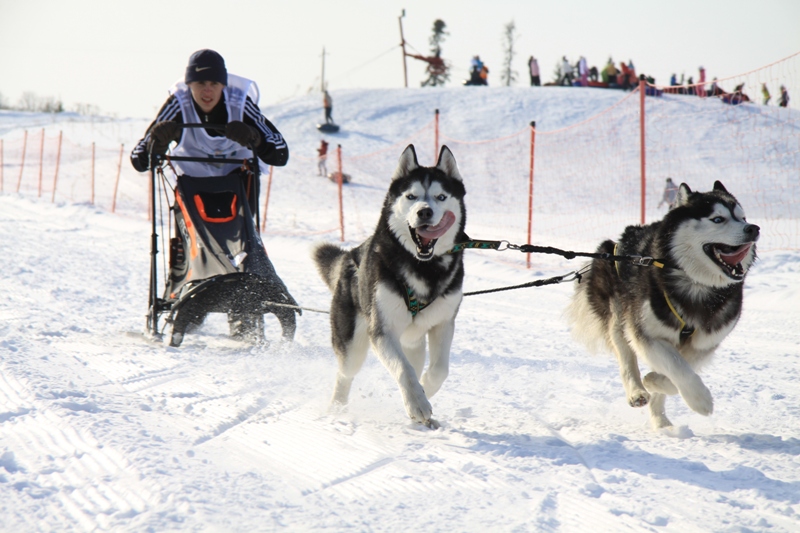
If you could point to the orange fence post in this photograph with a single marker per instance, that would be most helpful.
(92, 201)
(436, 137)
(530, 192)
(116, 183)
(41, 162)
(22, 165)
(339, 179)
(58, 162)
(266, 199)
(642, 91)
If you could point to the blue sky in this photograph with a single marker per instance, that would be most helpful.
(123, 56)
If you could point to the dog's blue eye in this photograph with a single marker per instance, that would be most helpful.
(718, 220)
(441, 197)
(411, 196)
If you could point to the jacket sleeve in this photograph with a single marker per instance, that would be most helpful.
(171, 110)
(273, 149)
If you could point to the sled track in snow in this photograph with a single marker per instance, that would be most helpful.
(44, 458)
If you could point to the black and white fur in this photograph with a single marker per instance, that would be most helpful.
(707, 247)
(423, 216)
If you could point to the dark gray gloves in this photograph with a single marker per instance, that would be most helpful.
(239, 132)
(161, 135)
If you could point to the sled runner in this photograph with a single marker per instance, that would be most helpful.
(217, 262)
(328, 128)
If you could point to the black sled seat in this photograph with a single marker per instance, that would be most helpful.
(217, 261)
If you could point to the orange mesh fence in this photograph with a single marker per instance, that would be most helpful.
(585, 184)
(45, 164)
(753, 148)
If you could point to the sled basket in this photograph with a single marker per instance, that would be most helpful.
(217, 261)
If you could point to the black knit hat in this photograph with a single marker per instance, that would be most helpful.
(206, 65)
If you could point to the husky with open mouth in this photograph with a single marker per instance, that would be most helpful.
(673, 314)
(400, 289)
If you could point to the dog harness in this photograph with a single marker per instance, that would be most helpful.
(686, 331)
(413, 304)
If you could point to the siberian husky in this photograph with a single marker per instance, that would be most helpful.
(401, 286)
(673, 314)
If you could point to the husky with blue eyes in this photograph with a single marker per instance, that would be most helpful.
(399, 291)
(673, 314)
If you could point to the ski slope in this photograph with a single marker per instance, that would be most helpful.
(102, 430)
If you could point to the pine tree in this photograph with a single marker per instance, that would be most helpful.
(508, 76)
(437, 70)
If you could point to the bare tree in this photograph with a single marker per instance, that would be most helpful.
(508, 76)
(29, 101)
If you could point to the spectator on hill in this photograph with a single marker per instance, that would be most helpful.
(484, 75)
(610, 74)
(670, 195)
(583, 71)
(566, 72)
(690, 88)
(593, 74)
(765, 94)
(322, 158)
(701, 88)
(624, 79)
(533, 67)
(783, 100)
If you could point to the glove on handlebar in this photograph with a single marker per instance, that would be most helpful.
(239, 132)
(161, 135)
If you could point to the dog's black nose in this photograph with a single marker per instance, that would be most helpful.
(426, 213)
(752, 231)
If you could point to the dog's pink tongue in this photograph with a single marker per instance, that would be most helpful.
(434, 232)
(734, 258)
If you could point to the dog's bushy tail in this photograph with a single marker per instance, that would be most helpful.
(328, 258)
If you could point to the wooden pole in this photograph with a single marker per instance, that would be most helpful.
(403, 44)
(266, 199)
(530, 192)
(116, 182)
(58, 162)
(339, 180)
(436, 137)
(642, 158)
(22, 165)
(41, 162)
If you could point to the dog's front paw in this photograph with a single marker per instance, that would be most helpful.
(698, 398)
(638, 398)
(419, 408)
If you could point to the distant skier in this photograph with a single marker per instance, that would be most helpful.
(327, 103)
(670, 194)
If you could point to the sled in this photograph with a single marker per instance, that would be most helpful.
(328, 128)
(334, 177)
(217, 262)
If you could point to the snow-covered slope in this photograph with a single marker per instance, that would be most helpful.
(102, 430)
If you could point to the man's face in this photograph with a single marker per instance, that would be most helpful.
(207, 94)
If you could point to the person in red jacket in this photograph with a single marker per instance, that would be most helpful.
(322, 152)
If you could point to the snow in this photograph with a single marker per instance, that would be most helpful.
(101, 429)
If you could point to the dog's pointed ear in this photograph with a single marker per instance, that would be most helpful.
(407, 163)
(447, 163)
(683, 194)
(718, 186)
